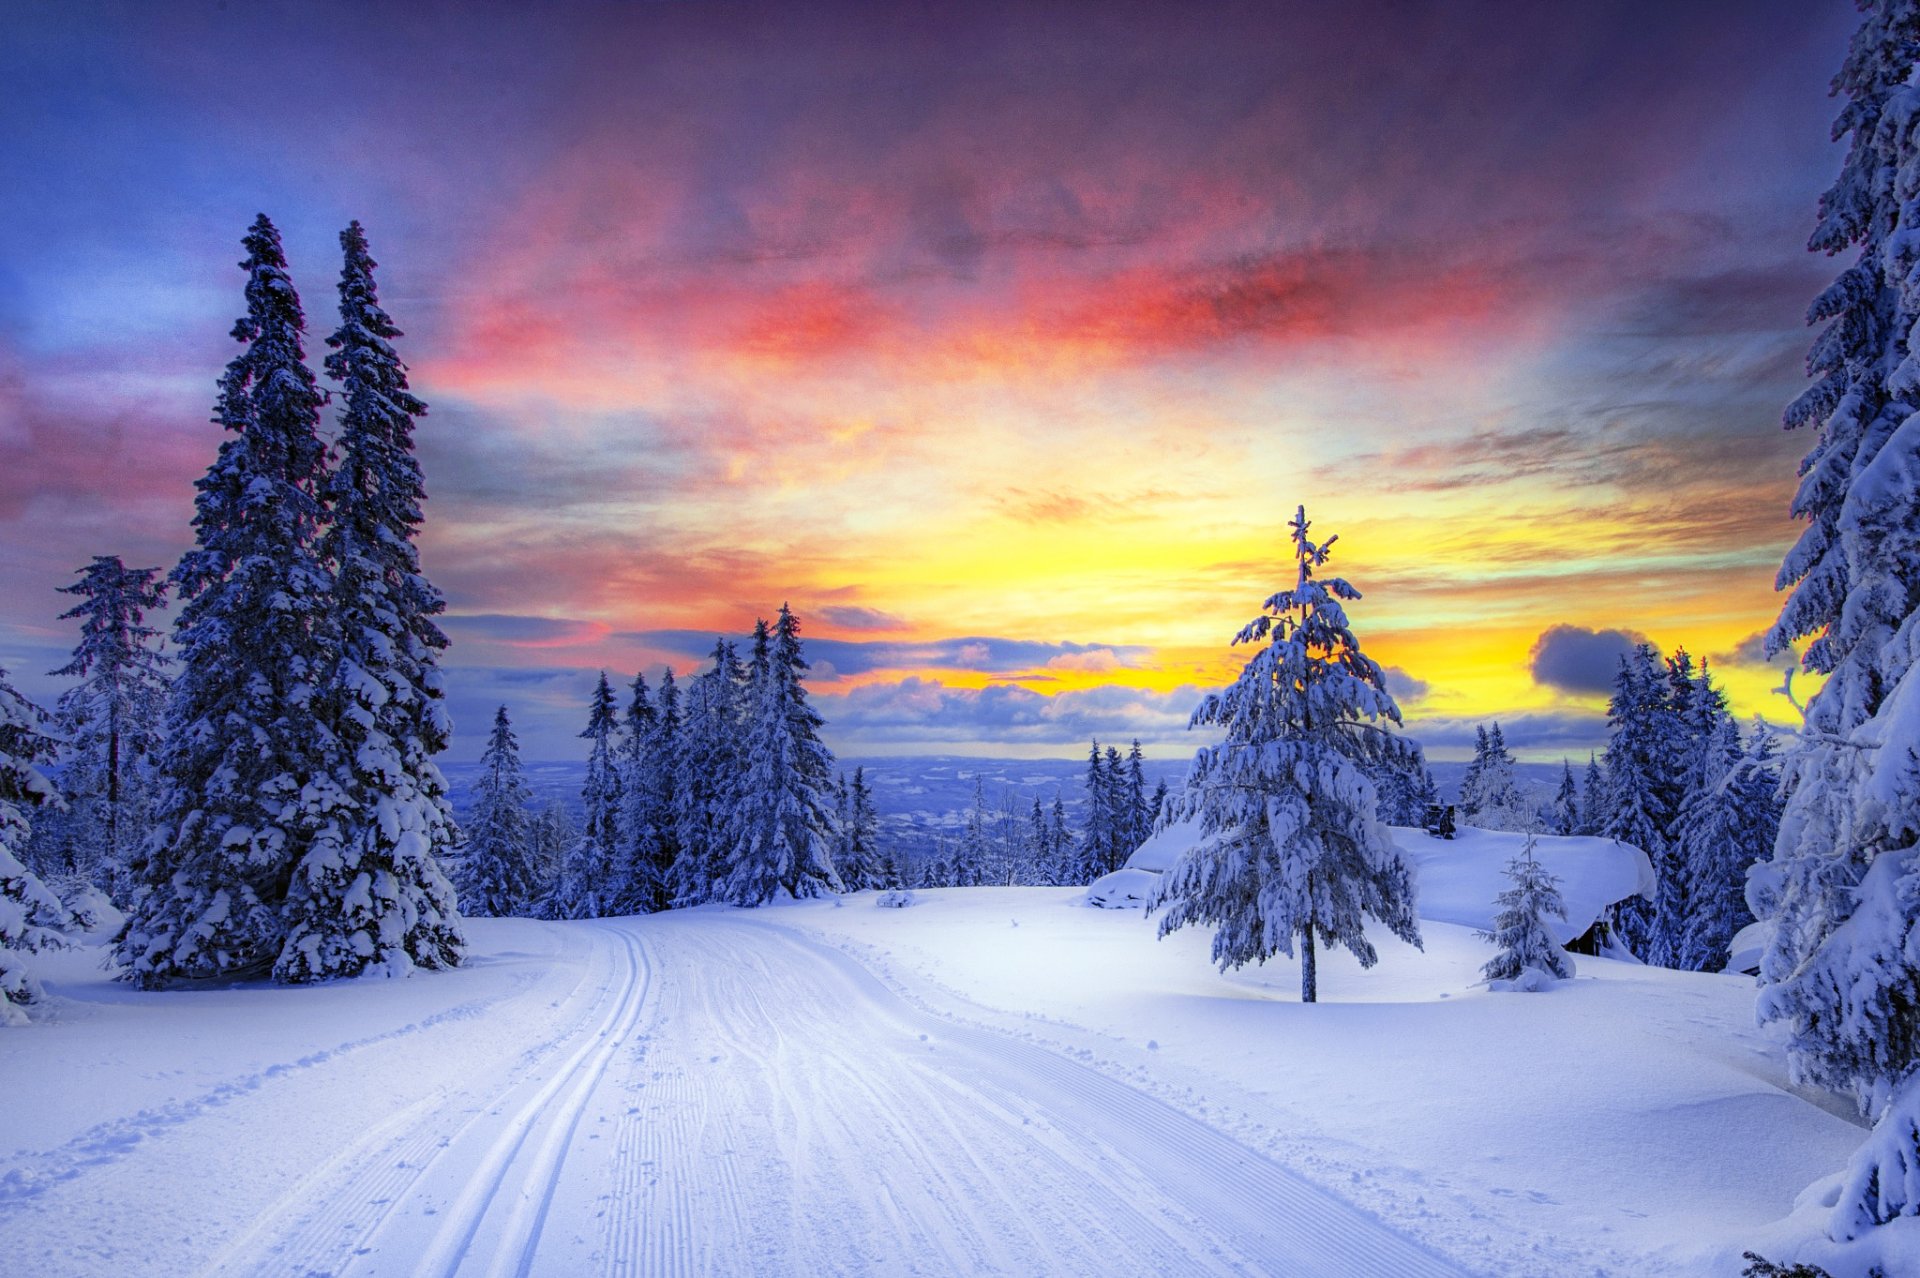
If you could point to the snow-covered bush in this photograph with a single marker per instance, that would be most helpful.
(894, 899)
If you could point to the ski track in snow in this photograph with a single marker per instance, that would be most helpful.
(721, 1095)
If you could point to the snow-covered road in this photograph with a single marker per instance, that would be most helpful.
(689, 1093)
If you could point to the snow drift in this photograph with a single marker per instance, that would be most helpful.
(1458, 877)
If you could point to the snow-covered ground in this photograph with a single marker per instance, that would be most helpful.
(993, 1080)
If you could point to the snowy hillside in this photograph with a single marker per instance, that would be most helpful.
(992, 1080)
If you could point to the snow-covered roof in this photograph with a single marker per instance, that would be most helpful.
(1458, 877)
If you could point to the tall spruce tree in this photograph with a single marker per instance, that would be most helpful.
(970, 854)
(708, 780)
(1139, 815)
(589, 882)
(644, 856)
(1844, 965)
(661, 782)
(1097, 837)
(246, 745)
(1564, 814)
(369, 892)
(1490, 795)
(1637, 759)
(31, 916)
(783, 829)
(1291, 849)
(110, 719)
(1593, 799)
(863, 868)
(497, 872)
(1728, 821)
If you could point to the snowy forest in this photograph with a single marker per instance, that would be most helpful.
(1714, 917)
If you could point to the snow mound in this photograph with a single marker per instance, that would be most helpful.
(1748, 944)
(1458, 877)
(1461, 876)
(1126, 888)
(1158, 852)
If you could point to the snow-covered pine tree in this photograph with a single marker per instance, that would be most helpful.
(1115, 769)
(254, 640)
(1157, 806)
(1529, 957)
(1139, 816)
(1564, 815)
(1490, 796)
(843, 832)
(1842, 970)
(1066, 857)
(864, 868)
(1291, 850)
(1040, 843)
(644, 861)
(708, 779)
(782, 827)
(554, 833)
(1683, 720)
(111, 719)
(369, 893)
(1428, 803)
(589, 880)
(970, 854)
(1637, 759)
(663, 780)
(1593, 799)
(1470, 777)
(497, 874)
(31, 916)
(1728, 821)
(1096, 834)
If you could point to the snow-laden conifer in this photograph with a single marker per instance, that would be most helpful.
(111, 719)
(645, 851)
(1844, 881)
(254, 640)
(1638, 765)
(497, 874)
(1529, 958)
(1139, 823)
(31, 916)
(1291, 850)
(1593, 798)
(1729, 821)
(1098, 842)
(863, 866)
(554, 833)
(588, 880)
(970, 854)
(782, 830)
(708, 777)
(1490, 794)
(1564, 813)
(369, 893)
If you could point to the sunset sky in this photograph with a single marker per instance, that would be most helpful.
(1001, 341)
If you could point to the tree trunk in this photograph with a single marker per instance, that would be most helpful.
(1309, 988)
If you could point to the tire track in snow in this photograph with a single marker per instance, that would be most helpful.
(374, 1187)
(109, 1142)
(866, 1136)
